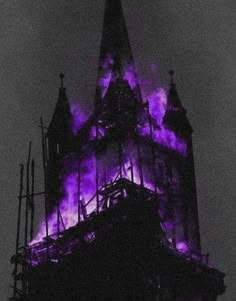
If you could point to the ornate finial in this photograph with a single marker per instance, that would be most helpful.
(62, 79)
(171, 73)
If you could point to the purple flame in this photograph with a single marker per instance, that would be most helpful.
(182, 246)
(157, 105)
(93, 132)
(106, 74)
(166, 138)
(78, 117)
(162, 135)
(69, 203)
(130, 75)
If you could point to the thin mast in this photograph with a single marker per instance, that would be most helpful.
(136, 135)
(152, 148)
(32, 200)
(18, 227)
(45, 174)
(27, 195)
(96, 157)
(79, 184)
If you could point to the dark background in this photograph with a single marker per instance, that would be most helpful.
(40, 39)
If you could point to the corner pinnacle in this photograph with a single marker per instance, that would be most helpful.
(62, 79)
(171, 73)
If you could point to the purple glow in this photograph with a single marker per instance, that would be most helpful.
(108, 61)
(153, 68)
(166, 138)
(78, 117)
(93, 133)
(104, 81)
(157, 105)
(130, 75)
(182, 247)
(106, 74)
(90, 236)
(67, 207)
(162, 135)
(168, 224)
(69, 203)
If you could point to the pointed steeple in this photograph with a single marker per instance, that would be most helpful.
(115, 40)
(62, 79)
(60, 122)
(116, 58)
(174, 102)
(175, 117)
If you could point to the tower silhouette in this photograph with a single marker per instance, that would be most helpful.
(121, 217)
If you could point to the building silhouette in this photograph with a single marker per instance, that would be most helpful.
(121, 216)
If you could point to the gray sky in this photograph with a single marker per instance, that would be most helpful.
(40, 39)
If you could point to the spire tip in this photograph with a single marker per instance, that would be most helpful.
(171, 73)
(62, 79)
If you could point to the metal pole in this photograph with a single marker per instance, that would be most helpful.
(18, 226)
(24, 267)
(45, 174)
(105, 189)
(79, 183)
(152, 147)
(140, 163)
(97, 179)
(132, 171)
(32, 201)
(27, 193)
(58, 218)
(120, 158)
(96, 155)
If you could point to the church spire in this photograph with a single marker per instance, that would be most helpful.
(61, 116)
(115, 40)
(62, 79)
(171, 73)
(116, 58)
(175, 117)
(173, 99)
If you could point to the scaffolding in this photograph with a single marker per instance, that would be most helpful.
(116, 199)
(120, 192)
